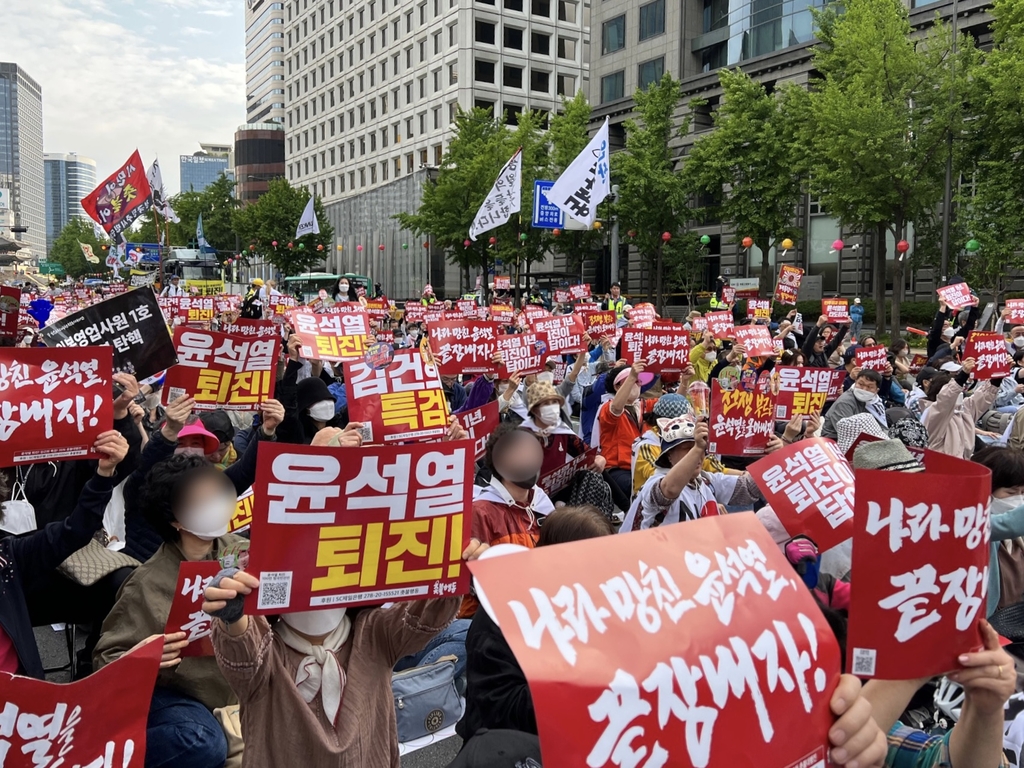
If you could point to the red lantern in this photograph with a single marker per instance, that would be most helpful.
(320, 247)
(556, 232)
(274, 243)
(632, 233)
(902, 246)
(493, 240)
(747, 242)
(666, 236)
(380, 247)
(466, 243)
(838, 245)
(291, 245)
(252, 247)
(426, 244)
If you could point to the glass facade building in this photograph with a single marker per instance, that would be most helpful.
(199, 171)
(69, 178)
(21, 154)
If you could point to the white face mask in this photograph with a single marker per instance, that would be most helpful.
(863, 395)
(1010, 503)
(547, 377)
(210, 519)
(549, 414)
(711, 356)
(1018, 341)
(152, 401)
(315, 623)
(183, 450)
(322, 411)
(343, 288)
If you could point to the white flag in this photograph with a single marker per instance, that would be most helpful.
(504, 198)
(586, 182)
(308, 223)
(156, 185)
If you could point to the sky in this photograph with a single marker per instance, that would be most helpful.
(157, 75)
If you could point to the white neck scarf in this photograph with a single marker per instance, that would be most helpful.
(319, 670)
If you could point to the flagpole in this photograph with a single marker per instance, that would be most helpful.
(159, 246)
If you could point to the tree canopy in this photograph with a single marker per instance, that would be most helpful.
(68, 253)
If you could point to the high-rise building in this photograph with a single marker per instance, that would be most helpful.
(259, 157)
(21, 156)
(264, 62)
(69, 178)
(201, 169)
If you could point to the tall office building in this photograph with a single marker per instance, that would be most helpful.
(264, 62)
(201, 169)
(21, 156)
(69, 178)
(259, 157)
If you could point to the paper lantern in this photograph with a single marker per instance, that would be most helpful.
(341, 247)
(522, 237)
(302, 246)
(493, 240)
(274, 243)
(787, 244)
(405, 246)
(320, 247)
(597, 225)
(705, 240)
(380, 247)
(105, 247)
(291, 245)
(556, 232)
(972, 246)
(902, 246)
(836, 245)
(252, 247)
(466, 243)
(747, 242)
(632, 233)
(359, 247)
(426, 244)
(666, 236)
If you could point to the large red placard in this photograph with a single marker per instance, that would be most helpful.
(991, 360)
(465, 346)
(803, 391)
(522, 353)
(720, 324)
(186, 613)
(741, 422)
(836, 310)
(755, 340)
(564, 333)
(956, 296)
(332, 337)
(479, 423)
(871, 358)
(599, 323)
(664, 350)
(788, 285)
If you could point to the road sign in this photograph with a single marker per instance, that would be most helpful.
(545, 215)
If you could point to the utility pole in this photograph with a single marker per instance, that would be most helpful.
(947, 199)
(614, 260)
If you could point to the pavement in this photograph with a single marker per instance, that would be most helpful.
(53, 650)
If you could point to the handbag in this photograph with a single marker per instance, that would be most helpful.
(94, 561)
(425, 699)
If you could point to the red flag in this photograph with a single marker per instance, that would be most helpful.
(121, 198)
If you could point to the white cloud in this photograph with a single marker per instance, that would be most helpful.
(222, 12)
(196, 31)
(108, 89)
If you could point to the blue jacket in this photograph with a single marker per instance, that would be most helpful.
(590, 406)
(857, 313)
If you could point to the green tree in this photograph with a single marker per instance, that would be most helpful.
(217, 203)
(273, 218)
(877, 123)
(68, 253)
(652, 199)
(684, 265)
(748, 163)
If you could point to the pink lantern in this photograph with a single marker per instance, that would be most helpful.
(902, 246)
(466, 243)
(666, 236)
(838, 245)
(380, 247)
(359, 247)
(274, 243)
(493, 240)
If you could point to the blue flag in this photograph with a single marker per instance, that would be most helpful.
(204, 247)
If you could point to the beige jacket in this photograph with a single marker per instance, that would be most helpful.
(951, 425)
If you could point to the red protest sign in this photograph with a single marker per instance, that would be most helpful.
(992, 361)
(332, 337)
(728, 294)
(809, 485)
(479, 423)
(557, 479)
(1016, 315)
(222, 371)
(522, 353)
(54, 402)
(279, 305)
(502, 283)
(956, 296)
(642, 315)
(599, 324)
(466, 307)
(378, 309)
(741, 422)
(579, 292)
(788, 285)
(503, 313)
(699, 324)
(353, 526)
(611, 680)
(917, 362)
(720, 324)
(121, 198)
(873, 358)
(562, 296)
(803, 391)
(564, 333)
(532, 312)
(755, 339)
(99, 721)
(187, 607)
(196, 309)
(403, 400)
(414, 312)
(169, 307)
(465, 346)
(759, 309)
(10, 308)
(664, 351)
(251, 329)
(921, 555)
(836, 310)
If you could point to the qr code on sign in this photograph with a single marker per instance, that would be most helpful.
(275, 590)
(780, 411)
(864, 662)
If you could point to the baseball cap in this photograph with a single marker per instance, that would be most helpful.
(219, 423)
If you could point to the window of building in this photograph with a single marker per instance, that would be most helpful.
(396, 135)
(362, 146)
(438, 154)
(373, 109)
(333, 156)
(408, 58)
(567, 11)
(384, 170)
(486, 2)
(423, 157)
(423, 123)
(383, 105)
(437, 118)
(408, 22)
(408, 93)
(652, 19)
(396, 29)
(713, 57)
(453, 38)
(567, 48)
(512, 113)
(540, 44)
(423, 51)
(514, 5)
(650, 72)
(341, 182)
(453, 109)
(362, 177)
(362, 114)
(566, 85)
(613, 86)
(484, 32)
(383, 137)
(409, 162)
(613, 34)
(540, 81)
(437, 43)
(373, 142)
(453, 74)
(484, 71)
(332, 126)
(423, 14)
(423, 87)
(512, 77)
(513, 38)
(436, 76)
(352, 180)
(408, 128)
(541, 8)
(483, 104)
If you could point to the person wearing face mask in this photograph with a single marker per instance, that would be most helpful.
(189, 503)
(343, 291)
(1011, 392)
(218, 423)
(952, 416)
(703, 357)
(1005, 587)
(817, 350)
(548, 421)
(619, 422)
(862, 397)
(945, 329)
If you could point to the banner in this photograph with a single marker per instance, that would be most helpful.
(921, 555)
(558, 479)
(503, 200)
(522, 353)
(401, 400)
(755, 340)
(502, 283)
(356, 526)
(332, 337)
(532, 312)
(599, 324)
(479, 423)
(257, 329)
(131, 323)
(728, 294)
(874, 358)
(10, 308)
(1016, 307)
(156, 185)
(699, 324)
(466, 346)
(96, 722)
(91, 257)
(278, 306)
(467, 308)
(54, 403)
(196, 309)
(759, 309)
(663, 351)
(121, 198)
(586, 182)
(378, 309)
(788, 285)
(686, 646)
(803, 391)
(642, 315)
(809, 485)
(503, 313)
(222, 371)
(956, 296)
(836, 310)
(564, 333)
(720, 324)
(992, 361)
(741, 422)
(186, 613)
(572, 293)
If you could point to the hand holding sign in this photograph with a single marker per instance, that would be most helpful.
(112, 448)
